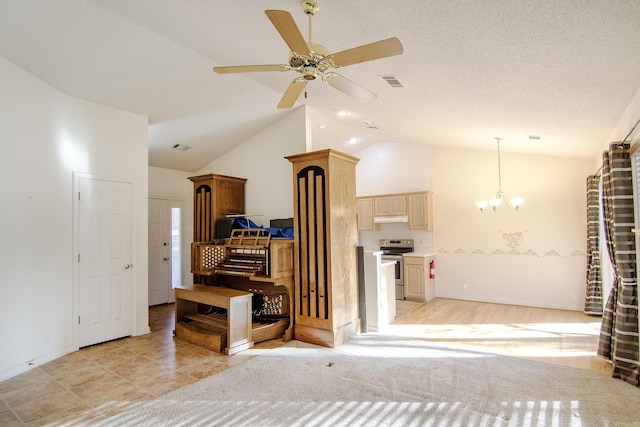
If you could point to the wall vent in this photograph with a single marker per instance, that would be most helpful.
(392, 80)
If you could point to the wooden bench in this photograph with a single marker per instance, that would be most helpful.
(229, 332)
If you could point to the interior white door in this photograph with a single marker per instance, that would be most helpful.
(159, 248)
(105, 262)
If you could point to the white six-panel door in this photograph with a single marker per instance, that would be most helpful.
(104, 259)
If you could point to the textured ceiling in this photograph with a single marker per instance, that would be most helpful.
(563, 70)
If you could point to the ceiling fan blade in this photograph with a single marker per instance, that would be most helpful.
(368, 52)
(250, 68)
(349, 87)
(286, 26)
(292, 93)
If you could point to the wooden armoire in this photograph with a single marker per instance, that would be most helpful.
(325, 245)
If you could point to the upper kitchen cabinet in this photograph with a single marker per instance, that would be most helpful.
(420, 211)
(416, 209)
(390, 205)
(364, 210)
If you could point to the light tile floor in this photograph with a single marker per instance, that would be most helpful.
(98, 381)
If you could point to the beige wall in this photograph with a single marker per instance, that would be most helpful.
(535, 256)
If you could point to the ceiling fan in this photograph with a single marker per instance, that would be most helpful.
(313, 60)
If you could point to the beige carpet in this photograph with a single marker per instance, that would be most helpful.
(390, 381)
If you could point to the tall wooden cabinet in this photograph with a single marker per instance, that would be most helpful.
(214, 197)
(326, 238)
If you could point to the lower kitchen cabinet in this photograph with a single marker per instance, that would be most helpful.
(417, 284)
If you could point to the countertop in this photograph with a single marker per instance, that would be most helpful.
(420, 254)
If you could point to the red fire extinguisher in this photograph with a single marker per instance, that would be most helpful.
(432, 270)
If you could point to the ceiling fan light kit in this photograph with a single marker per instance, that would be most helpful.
(313, 60)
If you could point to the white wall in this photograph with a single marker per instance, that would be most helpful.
(46, 136)
(546, 265)
(260, 159)
(628, 120)
(387, 168)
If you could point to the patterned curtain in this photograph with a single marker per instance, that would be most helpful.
(619, 331)
(593, 299)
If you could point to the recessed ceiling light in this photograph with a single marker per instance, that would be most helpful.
(342, 113)
(353, 140)
(322, 126)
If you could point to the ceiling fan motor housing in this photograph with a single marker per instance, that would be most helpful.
(310, 7)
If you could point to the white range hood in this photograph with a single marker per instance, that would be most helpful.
(387, 219)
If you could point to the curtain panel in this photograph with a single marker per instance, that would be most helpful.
(593, 294)
(619, 331)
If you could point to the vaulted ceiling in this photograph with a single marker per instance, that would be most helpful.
(563, 70)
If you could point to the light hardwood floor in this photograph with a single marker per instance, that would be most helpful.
(96, 382)
(561, 337)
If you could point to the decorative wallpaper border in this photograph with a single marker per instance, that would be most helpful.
(513, 241)
(498, 252)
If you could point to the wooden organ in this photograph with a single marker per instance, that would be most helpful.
(243, 285)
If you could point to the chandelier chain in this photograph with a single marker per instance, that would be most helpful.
(499, 168)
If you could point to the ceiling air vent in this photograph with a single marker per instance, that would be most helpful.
(181, 147)
(392, 80)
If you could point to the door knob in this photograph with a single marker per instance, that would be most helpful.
(128, 266)
(165, 259)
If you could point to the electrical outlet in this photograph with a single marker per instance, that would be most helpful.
(465, 286)
(574, 295)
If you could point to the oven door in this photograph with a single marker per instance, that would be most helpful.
(399, 273)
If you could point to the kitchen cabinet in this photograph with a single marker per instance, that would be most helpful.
(417, 284)
(420, 211)
(414, 208)
(390, 205)
(364, 209)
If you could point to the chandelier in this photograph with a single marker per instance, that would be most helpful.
(499, 199)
